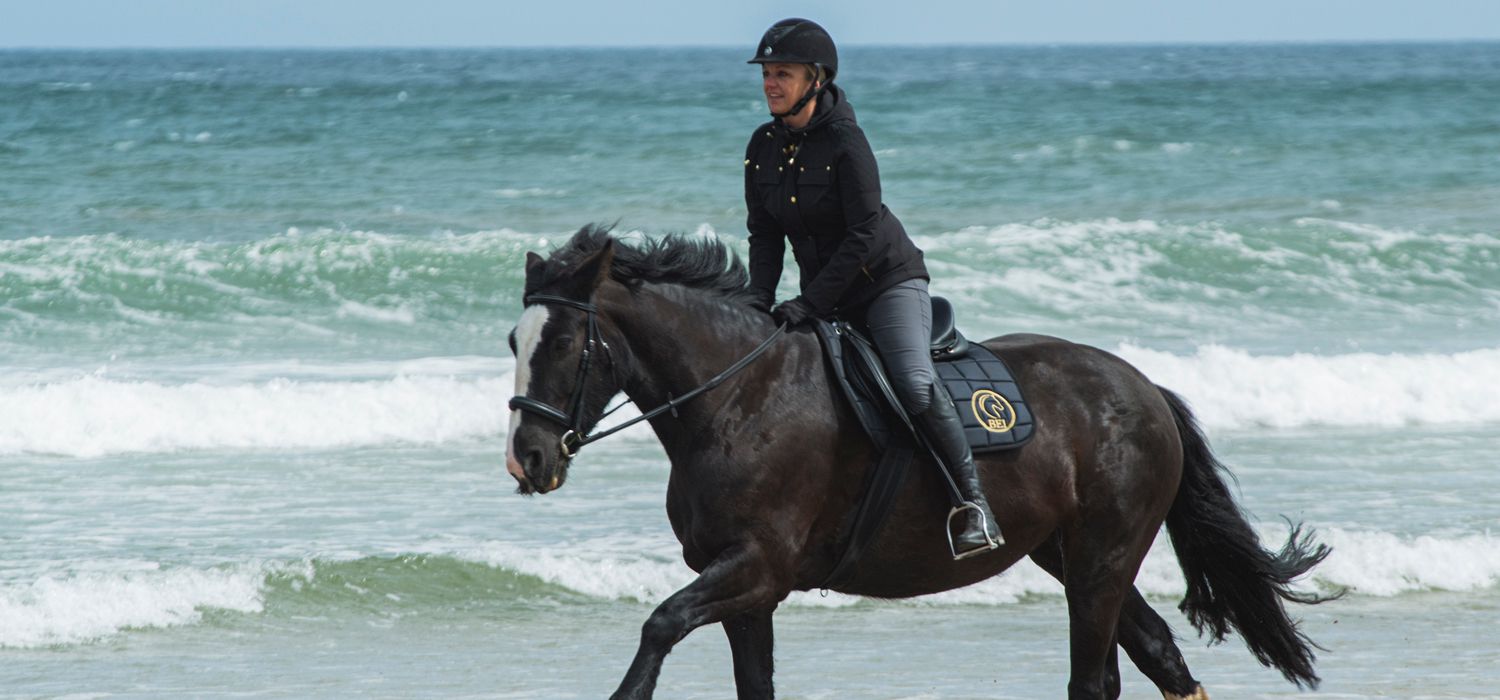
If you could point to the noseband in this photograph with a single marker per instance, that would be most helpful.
(574, 439)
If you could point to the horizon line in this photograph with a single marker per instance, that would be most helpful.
(903, 45)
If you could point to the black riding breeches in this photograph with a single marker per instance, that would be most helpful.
(900, 323)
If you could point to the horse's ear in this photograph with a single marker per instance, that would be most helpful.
(593, 271)
(534, 265)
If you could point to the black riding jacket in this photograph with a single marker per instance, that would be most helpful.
(819, 188)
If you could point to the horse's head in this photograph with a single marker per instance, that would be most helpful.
(563, 368)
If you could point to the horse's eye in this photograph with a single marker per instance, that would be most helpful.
(561, 344)
(512, 340)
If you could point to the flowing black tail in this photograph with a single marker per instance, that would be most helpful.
(1232, 582)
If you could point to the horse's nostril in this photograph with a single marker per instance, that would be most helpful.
(531, 465)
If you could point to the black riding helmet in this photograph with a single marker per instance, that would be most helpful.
(796, 40)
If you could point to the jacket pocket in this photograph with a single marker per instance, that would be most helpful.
(767, 183)
(814, 183)
(765, 175)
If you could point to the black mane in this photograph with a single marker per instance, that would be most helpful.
(699, 262)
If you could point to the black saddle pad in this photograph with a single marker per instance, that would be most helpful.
(987, 398)
(985, 393)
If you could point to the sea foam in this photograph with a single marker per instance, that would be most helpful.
(1230, 388)
(91, 416)
(87, 606)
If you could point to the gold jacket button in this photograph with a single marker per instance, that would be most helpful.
(747, 161)
(794, 199)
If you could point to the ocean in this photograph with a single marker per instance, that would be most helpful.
(253, 370)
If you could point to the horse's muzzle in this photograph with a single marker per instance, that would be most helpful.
(532, 472)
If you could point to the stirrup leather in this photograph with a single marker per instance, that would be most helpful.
(984, 527)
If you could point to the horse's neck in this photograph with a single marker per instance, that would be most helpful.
(677, 342)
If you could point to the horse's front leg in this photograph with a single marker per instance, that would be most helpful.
(751, 641)
(736, 582)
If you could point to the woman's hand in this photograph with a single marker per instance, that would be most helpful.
(793, 312)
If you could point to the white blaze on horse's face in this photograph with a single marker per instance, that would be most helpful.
(528, 337)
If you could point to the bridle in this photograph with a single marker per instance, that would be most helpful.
(573, 419)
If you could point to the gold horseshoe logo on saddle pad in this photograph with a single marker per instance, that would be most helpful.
(995, 414)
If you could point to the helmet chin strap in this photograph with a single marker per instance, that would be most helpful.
(812, 93)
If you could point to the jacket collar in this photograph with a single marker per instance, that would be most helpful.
(833, 106)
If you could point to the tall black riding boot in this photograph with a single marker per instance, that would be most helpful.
(943, 427)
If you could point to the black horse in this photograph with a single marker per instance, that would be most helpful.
(767, 468)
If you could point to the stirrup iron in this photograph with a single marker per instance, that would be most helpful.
(984, 527)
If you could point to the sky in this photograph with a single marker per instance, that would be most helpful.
(502, 23)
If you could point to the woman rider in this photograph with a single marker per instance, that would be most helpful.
(810, 178)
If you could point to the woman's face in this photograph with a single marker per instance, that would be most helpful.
(784, 84)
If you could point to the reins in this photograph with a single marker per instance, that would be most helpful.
(574, 439)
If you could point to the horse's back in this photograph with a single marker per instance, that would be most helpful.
(1045, 364)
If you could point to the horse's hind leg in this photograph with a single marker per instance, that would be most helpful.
(1150, 644)
(736, 582)
(1143, 634)
(751, 642)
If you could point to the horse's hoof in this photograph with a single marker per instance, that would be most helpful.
(1198, 694)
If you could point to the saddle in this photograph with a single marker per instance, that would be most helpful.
(984, 393)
